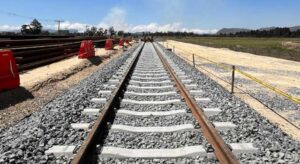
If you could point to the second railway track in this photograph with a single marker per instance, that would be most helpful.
(152, 112)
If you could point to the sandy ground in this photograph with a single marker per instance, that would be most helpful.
(33, 79)
(272, 70)
(41, 85)
(283, 74)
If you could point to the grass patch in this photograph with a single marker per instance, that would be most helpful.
(274, 47)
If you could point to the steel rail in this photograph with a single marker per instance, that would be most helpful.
(221, 149)
(44, 50)
(53, 45)
(85, 149)
(31, 42)
(34, 64)
(46, 46)
(26, 60)
(36, 55)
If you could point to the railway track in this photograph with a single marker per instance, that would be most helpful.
(152, 112)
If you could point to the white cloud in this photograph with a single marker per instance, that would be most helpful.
(73, 26)
(67, 25)
(154, 27)
(9, 28)
(116, 18)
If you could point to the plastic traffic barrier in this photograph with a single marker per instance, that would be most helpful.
(109, 44)
(9, 75)
(86, 50)
(121, 42)
(127, 42)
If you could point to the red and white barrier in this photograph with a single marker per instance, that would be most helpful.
(9, 75)
(109, 45)
(87, 49)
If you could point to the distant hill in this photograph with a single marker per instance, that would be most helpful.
(235, 30)
(231, 30)
(267, 28)
(295, 28)
(292, 29)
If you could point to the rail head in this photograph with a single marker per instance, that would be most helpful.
(221, 149)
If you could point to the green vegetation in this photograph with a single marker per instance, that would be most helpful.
(285, 48)
(35, 27)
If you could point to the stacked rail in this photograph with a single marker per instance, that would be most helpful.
(31, 53)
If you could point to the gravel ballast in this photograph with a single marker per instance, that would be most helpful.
(153, 108)
(153, 98)
(274, 145)
(166, 161)
(27, 141)
(154, 140)
(154, 120)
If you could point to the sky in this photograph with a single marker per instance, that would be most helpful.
(199, 16)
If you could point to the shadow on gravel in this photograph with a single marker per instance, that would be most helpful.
(12, 97)
(95, 60)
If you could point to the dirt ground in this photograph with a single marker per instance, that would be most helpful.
(41, 85)
(33, 79)
(283, 74)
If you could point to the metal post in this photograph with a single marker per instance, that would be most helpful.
(194, 60)
(174, 49)
(167, 44)
(58, 25)
(86, 28)
(232, 79)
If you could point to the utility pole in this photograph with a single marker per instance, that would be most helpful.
(86, 28)
(58, 25)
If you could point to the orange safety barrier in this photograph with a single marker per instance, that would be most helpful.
(109, 44)
(9, 75)
(127, 42)
(86, 50)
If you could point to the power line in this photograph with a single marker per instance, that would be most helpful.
(25, 17)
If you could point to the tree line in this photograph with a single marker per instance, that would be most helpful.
(171, 33)
(35, 27)
(275, 32)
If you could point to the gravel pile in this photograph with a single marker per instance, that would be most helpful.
(274, 145)
(27, 141)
